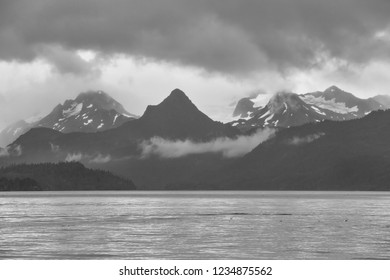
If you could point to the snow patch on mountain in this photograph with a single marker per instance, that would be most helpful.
(16, 131)
(260, 100)
(88, 122)
(268, 119)
(116, 116)
(330, 104)
(74, 109)
(318, 110)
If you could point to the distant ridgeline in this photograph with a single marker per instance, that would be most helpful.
(327, 140)
(59, 177)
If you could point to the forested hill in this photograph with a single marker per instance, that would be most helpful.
(63, 176)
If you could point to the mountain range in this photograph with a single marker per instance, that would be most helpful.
(174, 145)
(289, 109)
(176, 118)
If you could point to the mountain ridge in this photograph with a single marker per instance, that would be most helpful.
(331, 104)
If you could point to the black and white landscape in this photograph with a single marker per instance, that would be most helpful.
(327, 140)
(281, 108)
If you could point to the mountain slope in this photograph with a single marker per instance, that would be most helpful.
(350, 155)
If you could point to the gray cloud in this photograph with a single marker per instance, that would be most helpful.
(14, 151)
(101, 159)
(296, 141)
(4, 152)
(67, 62)
(54, 148)
(228, 147)
(230, 36)
(74, 157)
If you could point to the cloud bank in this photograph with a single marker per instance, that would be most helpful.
(99, 158)
(228, 147)
(296, 141)
(73, 157)
(14, 151)
(232, 36)
(4, 152)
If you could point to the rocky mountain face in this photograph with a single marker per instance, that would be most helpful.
(89, 112)
(289, 109)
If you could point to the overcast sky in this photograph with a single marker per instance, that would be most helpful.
(215, 50)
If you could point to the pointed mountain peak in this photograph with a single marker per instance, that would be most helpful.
(176, 102)
(176, 117)
(178, 92)
(177, 95)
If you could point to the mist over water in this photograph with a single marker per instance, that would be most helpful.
(195, 225)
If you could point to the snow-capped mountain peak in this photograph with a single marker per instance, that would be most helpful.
(90, 111)
(288, 109)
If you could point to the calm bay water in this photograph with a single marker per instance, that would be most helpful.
(195, 225)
